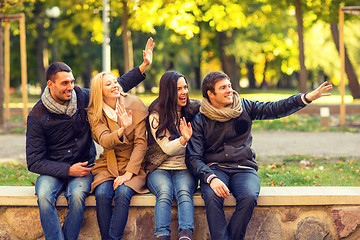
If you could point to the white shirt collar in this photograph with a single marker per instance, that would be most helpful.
(111, 113)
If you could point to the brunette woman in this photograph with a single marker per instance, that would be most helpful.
(169, 126)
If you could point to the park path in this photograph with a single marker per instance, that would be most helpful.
(332, 144)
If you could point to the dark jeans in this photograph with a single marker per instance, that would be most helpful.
(112, 222)
(244, 184)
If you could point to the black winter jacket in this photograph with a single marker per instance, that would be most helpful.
(229, 143)
(54, 142)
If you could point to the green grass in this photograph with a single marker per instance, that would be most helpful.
(292, 170)
(303, 170)
(307, 123)
(16, 174)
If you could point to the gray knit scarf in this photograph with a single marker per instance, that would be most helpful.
(69, 107)
(225, 114)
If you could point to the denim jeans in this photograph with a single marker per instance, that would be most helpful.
(112, 222)
(244, 184)
(165, 185)
(48, 189)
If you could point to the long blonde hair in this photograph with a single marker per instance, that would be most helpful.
(96, 98)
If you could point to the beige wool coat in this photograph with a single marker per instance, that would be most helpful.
(125, 154)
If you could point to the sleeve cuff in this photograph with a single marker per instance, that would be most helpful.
(211, 177)
(180, 145)
(142, 74)
(304, 99)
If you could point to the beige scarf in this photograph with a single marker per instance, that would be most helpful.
(222, 115)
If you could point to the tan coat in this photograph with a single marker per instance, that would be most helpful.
(122, 155)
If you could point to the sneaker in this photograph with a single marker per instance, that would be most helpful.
(185, 234)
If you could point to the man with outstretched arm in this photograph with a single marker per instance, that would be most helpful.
(219, 152)
(59, 145)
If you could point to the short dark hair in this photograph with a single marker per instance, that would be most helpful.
(209, 82)
(54, 68)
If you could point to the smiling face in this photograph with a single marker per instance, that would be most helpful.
(61, 86)
(110, 89)
(182, 93)
(223, 95)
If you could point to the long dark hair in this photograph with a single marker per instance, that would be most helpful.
(166, 106)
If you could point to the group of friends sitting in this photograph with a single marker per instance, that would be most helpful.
(167, 148)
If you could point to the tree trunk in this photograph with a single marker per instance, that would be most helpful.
(127, 42)
(303, 73)
(88, 70)
(251, 75)
(88, 60)
(228, 62)
(197, 62)
(40, 43)
(198, 80)
(265, 84)
(2, 113)
(171, 63)
(351, 74)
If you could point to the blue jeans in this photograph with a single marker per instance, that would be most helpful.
(112, 222)
(165, 185)
(245, 187)
(48, 189)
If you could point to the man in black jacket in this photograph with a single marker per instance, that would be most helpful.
(219, 152)
(59, 145)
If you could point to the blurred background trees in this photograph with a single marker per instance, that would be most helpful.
(259, 44)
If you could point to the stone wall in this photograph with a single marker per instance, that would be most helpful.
(272, 220)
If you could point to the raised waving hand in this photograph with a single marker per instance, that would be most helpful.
(185, 130)
(147, 55)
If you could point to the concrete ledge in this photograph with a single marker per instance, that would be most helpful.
(269, 196)
(285, 213)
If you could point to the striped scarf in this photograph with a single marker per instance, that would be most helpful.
(68, 108)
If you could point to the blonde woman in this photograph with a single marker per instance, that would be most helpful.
(117, 122)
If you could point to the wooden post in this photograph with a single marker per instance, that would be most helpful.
(342, 67)
(9, 18)
(7, 69)
(23, 66)
(2, 118)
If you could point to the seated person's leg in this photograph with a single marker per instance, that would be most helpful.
(214, 207)
(245, 187)
(104, 194)
(161, 185)
(122, 198)
(77, 190)
(185, 185)
(48, 189)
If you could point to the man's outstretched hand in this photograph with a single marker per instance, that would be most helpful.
(319, 92)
